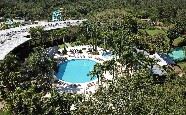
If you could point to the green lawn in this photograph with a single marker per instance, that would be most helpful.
(177, 41)
(155, 31)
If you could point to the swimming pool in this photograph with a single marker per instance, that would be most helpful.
(75, 71)
(178, 54)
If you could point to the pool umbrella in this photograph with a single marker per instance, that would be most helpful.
(167, 58)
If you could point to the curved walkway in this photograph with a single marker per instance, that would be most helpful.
(13, 37)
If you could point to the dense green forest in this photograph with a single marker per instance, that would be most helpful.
(167, 10)
(26, 72)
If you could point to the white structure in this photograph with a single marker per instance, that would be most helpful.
(157, 68)
(13, 37)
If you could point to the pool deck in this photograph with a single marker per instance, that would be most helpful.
(87, 87)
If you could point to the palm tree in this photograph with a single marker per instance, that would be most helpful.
(37, 35)
(172, 34)
(111, 66)
(105, 36)
(39, 67)
(97, 72)
(52, 37)
(92, 32)
(9, 74)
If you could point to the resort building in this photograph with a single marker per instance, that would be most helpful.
(163, 60)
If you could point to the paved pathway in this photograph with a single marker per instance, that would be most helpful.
(13, 37)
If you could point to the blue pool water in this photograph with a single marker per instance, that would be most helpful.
(178, 54)
(75, 71)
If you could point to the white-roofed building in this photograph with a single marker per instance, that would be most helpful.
(160, 61)
(157, 68)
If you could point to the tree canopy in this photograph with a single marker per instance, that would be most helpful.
(116, 25)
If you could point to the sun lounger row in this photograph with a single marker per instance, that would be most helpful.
(89, 92)
(89, 56)
(99, 59)
(80, 56)
(91, 84)
(62, 84)
(70, 91)
(74, 50)
(74, 85)
(71, 55)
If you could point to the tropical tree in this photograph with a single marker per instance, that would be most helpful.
(172, 34)
(29, 101)
(9, 74)
(97, 72)
(37, 35)
(90, 31)
(111, 66)
(137, 95)
(38, 67)
(104, 34)
(26, 88)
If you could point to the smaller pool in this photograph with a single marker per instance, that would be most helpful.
(76, 70)
(178, 54)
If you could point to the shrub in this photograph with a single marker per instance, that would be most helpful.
(65, 50)
(95, 53)
(80, 51)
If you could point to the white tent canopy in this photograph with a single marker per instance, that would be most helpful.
(161, 61)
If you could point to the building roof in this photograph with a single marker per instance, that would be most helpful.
(167, 58)
(160, 60)
(157, 70)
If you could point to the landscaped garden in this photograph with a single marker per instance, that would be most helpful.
(109, 64)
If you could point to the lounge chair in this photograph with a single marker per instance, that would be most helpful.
(93, 84)
(60, 83)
